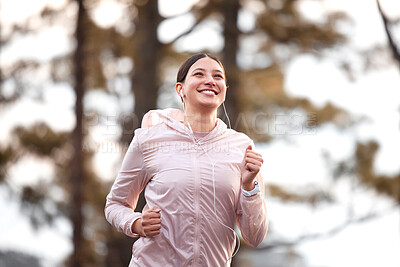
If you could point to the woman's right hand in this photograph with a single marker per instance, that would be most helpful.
(150, 223)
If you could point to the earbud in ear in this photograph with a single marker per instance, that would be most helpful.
(181, 94)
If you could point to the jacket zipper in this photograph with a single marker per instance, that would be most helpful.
(196, 248)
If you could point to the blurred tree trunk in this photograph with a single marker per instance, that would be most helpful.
(396, 55)
(231, 34)
(77, 173)
(144, 79)
(144, 82)
(393, 46)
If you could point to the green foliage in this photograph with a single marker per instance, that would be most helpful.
(40, 139)
(16, 76)
(37, 205)
(365, 157)
(102, 47)
(261, 89)
(311, 196)
(262, 92)
(283, 24)
(361, 165)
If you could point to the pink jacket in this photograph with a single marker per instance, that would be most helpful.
(177, 175)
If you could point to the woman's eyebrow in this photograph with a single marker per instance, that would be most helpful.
(196, 69)
(201, 69)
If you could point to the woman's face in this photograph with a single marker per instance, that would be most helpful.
(204, 86)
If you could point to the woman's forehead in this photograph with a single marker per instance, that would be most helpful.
(206, 64)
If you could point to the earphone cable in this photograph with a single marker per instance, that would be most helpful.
(226, 115)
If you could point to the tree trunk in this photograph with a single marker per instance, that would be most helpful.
(396, 55)
(77, 173)
(231, 33)
(230, 12)
(144, 79)
(393, 47)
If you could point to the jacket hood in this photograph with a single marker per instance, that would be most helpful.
(174, 119)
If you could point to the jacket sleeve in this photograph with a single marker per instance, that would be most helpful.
(122, 199)
(251, 216)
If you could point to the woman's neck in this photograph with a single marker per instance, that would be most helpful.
(201, 122)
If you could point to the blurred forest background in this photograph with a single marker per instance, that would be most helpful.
(81, 74)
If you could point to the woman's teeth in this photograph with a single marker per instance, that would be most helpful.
(208, 92)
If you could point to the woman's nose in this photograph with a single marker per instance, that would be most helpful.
(210, 80)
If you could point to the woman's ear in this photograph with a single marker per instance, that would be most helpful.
(179, 90)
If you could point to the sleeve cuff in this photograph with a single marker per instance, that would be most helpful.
(130, 230)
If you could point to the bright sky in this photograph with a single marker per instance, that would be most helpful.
(298, 162)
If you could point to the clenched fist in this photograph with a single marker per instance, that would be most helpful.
(252, 162)
(150, 223)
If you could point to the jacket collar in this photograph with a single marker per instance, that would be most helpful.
(174, 119)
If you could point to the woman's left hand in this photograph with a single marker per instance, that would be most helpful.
(251, 166)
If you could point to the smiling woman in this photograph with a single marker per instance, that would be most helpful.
(200, 177)
(202, 86)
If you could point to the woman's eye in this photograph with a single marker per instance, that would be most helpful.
(219, 76)
(198, 74)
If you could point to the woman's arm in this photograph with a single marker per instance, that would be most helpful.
(122, 199)
(251, 213)
(251, 216)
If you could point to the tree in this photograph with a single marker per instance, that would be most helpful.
(77, 173)
(389, 25)
(146, 56)
(87, 73)
(256, 87)
(74, 176)
(231, 34)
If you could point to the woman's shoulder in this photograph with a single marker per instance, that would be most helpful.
(159, 125)
(159, 116)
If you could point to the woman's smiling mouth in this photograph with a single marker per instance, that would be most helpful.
(208, 92)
